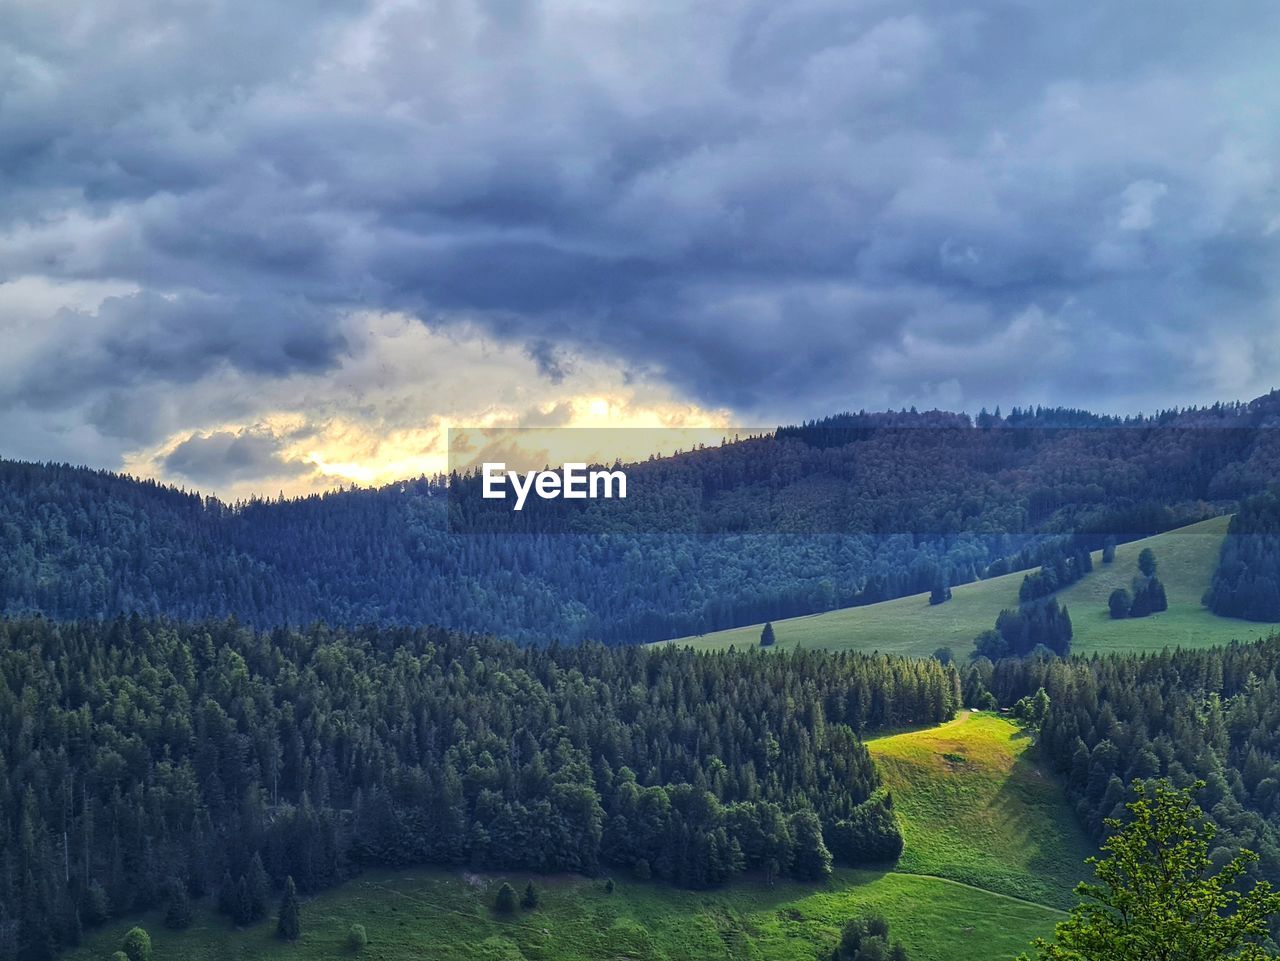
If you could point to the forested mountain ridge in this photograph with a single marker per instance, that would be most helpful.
(852, 510)
(138, 758)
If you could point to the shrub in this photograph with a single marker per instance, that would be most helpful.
(506, 900)
(137, 945)
(357, 938)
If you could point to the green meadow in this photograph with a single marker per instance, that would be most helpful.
(976, 807)
(444, 915)
(1187, 558)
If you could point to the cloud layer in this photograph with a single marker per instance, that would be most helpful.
(774, 209)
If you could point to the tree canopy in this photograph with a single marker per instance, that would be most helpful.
(138, 754)
(1159, 896)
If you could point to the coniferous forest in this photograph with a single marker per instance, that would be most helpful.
(1210, 715)
(144, 757)
(1247, 581)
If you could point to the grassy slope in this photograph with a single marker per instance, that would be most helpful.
(444, 915)
(995, 820)
(909, 625)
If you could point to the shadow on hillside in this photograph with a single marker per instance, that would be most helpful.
(1032, 806)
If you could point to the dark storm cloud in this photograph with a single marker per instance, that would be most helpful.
(780, 207)
(224, 457)
(176, 339)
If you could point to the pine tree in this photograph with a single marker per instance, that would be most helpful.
(1119, 603)
(529, 900)
(244, 912)
(1109, 550)
(228, 895)
(766, 636)
(259, 888)
(289, 923)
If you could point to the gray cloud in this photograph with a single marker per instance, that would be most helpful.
(146, 338)
(785, 208)
(550, 362)
(224, 457)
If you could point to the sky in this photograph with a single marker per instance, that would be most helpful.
(263, 247)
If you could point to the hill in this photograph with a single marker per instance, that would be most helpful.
(976, 808)
(910, 625)
(852, 510)
(985, 838)
(441, 914)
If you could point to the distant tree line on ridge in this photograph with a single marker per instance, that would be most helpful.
(851, 510)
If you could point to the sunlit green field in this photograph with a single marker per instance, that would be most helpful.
(910, 625)
(975, 807)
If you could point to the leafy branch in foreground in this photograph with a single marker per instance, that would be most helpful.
(1158, 899)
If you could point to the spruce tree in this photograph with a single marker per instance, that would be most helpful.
(228, 895)
(766, 636)
(177, 912)
(1119, 603)
(96, 908)
(529, 900)
(244, 912)
(1147, 562)
(259, 888)
(941, 592)
(289, 923)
